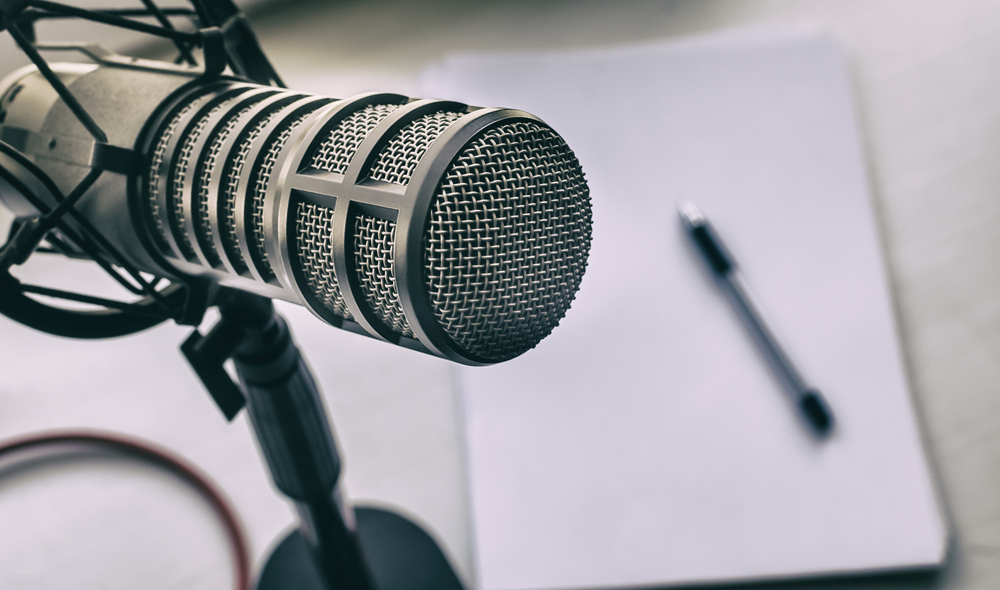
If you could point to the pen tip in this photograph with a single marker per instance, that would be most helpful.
(816, 411)
(690, 213)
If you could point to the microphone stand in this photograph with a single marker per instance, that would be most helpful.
(289, 420)
(334, 547)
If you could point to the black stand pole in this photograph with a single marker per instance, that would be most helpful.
(334, 548)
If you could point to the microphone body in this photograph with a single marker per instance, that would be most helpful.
(454, 230)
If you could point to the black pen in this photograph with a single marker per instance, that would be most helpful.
(809, 401)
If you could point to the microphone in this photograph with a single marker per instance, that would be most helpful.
(455, 230)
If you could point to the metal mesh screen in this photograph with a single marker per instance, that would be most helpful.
(399, 158)
(507, 240)
(374, 253)
(203, 180)
(258, 189)
(314, 249)
(334, 153)
(156, 161)
(230, 193)
(178, 177)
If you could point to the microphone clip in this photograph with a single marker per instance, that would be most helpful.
(244, 319)
(208, 354)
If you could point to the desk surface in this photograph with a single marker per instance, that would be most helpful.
(925, 78)
(926, 83)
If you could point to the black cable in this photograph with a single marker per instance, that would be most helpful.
(153, 455)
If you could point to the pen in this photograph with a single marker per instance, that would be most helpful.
(808, 400)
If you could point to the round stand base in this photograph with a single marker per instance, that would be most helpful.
(400, 555)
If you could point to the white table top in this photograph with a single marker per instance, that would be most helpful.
(926, 81)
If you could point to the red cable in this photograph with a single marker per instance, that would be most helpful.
(162, 458)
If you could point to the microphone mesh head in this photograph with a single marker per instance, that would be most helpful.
(256, 246)
(258, 189)
(495, 205)
(207, 168)
(374, 254)
(234, 171)
(507, 240)
(203, 225)
(314, 223)
(157, 159)
(335, 152)
(186, 161)
(313, 228)
(400, 157)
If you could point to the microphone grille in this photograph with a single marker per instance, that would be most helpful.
(374, 254)
(207, 169)
(486, 212)
(507, 240)
(314, 249)
(314, 223)
(335, 152)
(257, 192)
(401, 155)
(156, 169)
(233, 172)
(185, 163)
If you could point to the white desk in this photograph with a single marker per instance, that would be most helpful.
(926, 80)
(925, 75)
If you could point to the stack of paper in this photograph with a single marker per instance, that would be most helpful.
(645, 442)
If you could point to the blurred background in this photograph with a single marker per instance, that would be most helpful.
(928, 96)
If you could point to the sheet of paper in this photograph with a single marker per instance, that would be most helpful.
(645, 441)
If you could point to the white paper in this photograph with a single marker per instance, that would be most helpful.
(645, 441)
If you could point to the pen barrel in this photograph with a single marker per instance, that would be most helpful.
(712, 249)
(751, 316)
(809, 401)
